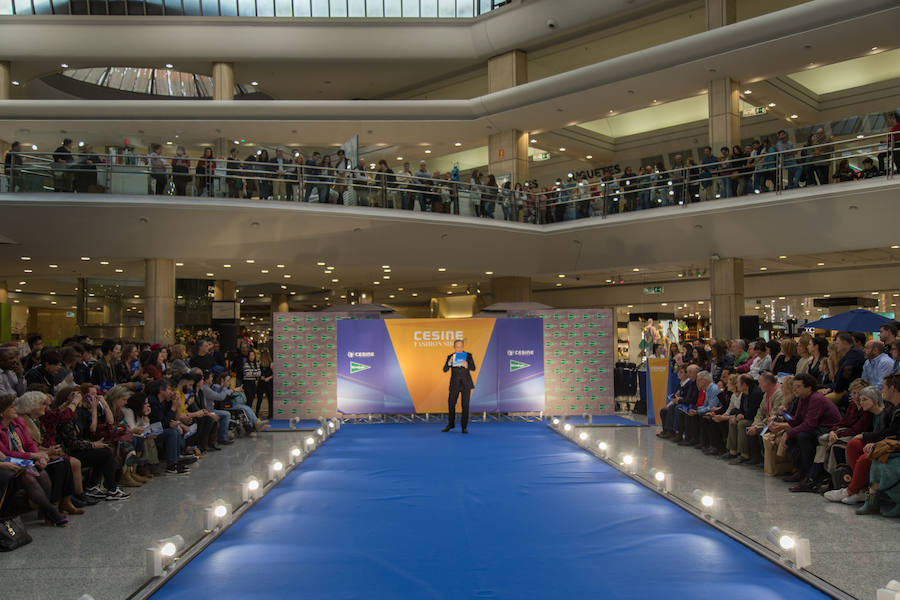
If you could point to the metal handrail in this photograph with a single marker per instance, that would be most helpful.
(564, 201)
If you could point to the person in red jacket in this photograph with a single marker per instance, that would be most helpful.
(815, 415)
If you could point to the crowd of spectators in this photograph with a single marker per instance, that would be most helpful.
(761, 166)
(83, 423)
(822, 414)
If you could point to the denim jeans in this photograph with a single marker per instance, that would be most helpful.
(224, 420)
(169, 442)
(793, 174)
(240, 401)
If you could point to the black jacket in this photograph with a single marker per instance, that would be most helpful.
(750, 403)
(889, 425)
(460, 376)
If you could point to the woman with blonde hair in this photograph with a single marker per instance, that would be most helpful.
(803, 351)
(787, 359)
(776, 460)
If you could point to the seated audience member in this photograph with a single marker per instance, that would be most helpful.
(75, 439)
(31, 406)
(818, 352)
(787, 359)
(116, 431)
(751, 397)
(12, 376)
(749, 441)
(688, 398)
(55, 480)
(37, 487)
(667, 412)
(849, 367)
(221, 390)
(707, 399)
(775, 455)
(763, 361)
(885, 423)
(136, 417)
(854, 422)
(179, 364)
(878, 365)
(803, 351)
(45, 373)
(714, 425)
(815, 416)
(156, 364)
(751, 358)
(111, 368)
(869, 169)
(189, 411)
(884, 458)
(169, 443)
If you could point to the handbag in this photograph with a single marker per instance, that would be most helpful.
(13, 534)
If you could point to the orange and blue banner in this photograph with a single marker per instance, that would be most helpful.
(396, 365)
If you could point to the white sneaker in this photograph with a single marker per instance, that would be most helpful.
(836, 495)
(117, 494)
(856, 498)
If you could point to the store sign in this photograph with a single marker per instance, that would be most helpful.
(650, 291)
(541, 156)
(756, 111)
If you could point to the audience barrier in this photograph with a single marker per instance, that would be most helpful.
(294, 179)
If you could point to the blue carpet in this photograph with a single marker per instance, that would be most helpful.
(511, 511)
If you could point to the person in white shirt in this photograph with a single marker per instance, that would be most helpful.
(12, 377)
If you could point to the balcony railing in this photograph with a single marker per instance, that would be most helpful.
(292, 181)
(325, 9)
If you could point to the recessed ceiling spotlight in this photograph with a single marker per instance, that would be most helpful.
(179, 264)
(795, 116)
(442, 269)
(104, 262)
(771, 105)
(280, 266)
(254, 83)
(458, 144)
(264, 271)
(488, 272)
(26, 258)
(250, 261)
(427, 151)
(120, 270)
(64, 65)
(27, 270)
(533, 141)
(210, 274)
(562, 149)
(169, 65)
(589, 156)
(748, 91)
(227, 266)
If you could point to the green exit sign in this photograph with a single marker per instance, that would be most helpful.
(538, 157)
(656, 289)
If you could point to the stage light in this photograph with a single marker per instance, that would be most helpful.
(627, 459)
(250, 490)
(555, 421)
(276, 469)
(217, 515)
(794, 549)
(889, 592)
(662, 480)
(583, 436)
(160, 556)
(320, 431)
(330, 425)
(296, 453)
(603, 447)
(709, 504)
(567, 427)
(293, 422)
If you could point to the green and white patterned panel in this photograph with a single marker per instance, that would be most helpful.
(579, 359)
(304, 358)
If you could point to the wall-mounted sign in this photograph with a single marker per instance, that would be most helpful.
(226, 310)
(541, 156)
(656, 289)
(501, 153)
(755, 111)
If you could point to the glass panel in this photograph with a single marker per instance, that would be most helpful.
(135, 7)
(204, 85)
(465, 8)
(355, 8)
(320, 8)
(114, 78)
(228, 8)
(375, 8)
(80, 7)
(393, 8)
(284, 8)
(846, 126)
(59, 7)
(191, 8)
(302, 8)
(247, 8)
(210, 8)
(338, 8)
(484, 6)
(447, 8)
(429, 8)
(116, 7)
(265, 8)
(173, 7)
(23, 7)
(43, 7)
(154, 7)
(410, 8)
(6, 7)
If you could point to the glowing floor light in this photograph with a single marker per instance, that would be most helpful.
(794, 549)
(162, 554)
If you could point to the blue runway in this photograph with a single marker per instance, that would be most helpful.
(511, 511)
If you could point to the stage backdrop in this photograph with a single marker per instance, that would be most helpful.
(579, 358)
(396, 366)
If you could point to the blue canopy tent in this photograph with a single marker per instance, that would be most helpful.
(854, 320)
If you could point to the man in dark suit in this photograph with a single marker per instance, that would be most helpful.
(460, 385)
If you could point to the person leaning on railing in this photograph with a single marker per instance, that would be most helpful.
(181, 171)
(232, 174)
(62, 175)
(12, 167)
(158, 173)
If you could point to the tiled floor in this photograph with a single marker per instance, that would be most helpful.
(101, 552)
(854, 553)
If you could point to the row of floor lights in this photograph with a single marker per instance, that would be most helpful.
(162, 556)
(794, 550)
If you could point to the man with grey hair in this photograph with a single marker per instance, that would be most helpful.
(680, 402)
(12, 376)
(689, 418)
(749, 440)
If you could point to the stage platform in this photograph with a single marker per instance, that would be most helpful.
(512, 510)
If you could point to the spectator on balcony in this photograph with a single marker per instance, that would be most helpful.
(893, 119)
(342, 168)
(204, 171)
(12, 167)
(311, 171)
(815, 416)
(820, 152)
(158, 174)
(283, 171)
(724, 171)
(789, 159)
(422, 184)
(764, 167)
(707, 172)
(387, 185)
(360, 180)
(747, 158)
(265, 172)
(326, 182)
(181, 171)
(869, 171)
(233, 174)
(677, 177)
(63, 175)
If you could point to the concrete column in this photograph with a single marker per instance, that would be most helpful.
(223, 81)
(724, 94)
(724, 113)
(510, 289)
(726, 283)
(508, 150)
(113, 311)
(224, 290)
(159, 303)
(5, 79)
(4, 292)
(280, 303)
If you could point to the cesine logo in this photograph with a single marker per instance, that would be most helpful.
(520, 352)
(360, 354)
